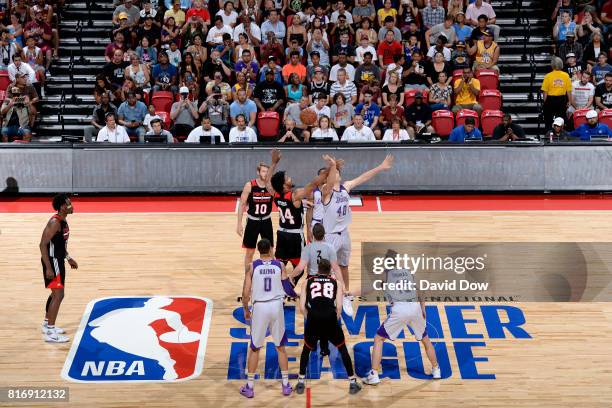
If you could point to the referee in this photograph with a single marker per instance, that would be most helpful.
(556, 86)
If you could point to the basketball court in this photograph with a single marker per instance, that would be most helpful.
(187, 246)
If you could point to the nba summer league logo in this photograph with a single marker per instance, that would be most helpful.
(459, 336)
(140, 339)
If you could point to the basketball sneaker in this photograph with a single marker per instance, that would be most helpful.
(347, 305)
(287, 389)
(300, 387)
(372, 378)
(59, 330)
(436, 373)
(354, 387)
(247, 391)
(52, 336)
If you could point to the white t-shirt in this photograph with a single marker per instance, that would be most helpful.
(215, 35)
(350, 72)
(194, 135)
(255, 32)
(321, 134)
(336, 14)
(446, 51)
(364, 134)
(242, 136)
(582, 93)
(174, 57)
(325, 110)
(388, 136)
(118, 135)
(359, 51)
(230, 20)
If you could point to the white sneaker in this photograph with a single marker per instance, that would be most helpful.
(372, 378)
(53, 337)
(59, 330)
(435, 372)
(347, 305)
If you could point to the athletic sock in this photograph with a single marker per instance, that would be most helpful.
(285, 377)
(251, 380)
(301, 378)
(374, 372)
(353, 379)
(46, 322)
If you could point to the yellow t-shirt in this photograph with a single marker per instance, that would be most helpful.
(557, 83)
(179, 16)
(382, 13)
(465, 97)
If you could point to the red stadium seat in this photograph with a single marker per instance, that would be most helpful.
(605, 116)
(268, 124)
(457, 74)
(443, 122)
(489, 79)
(165, 117)
(490, 119)
(465, 113)
(4, 80)
(409, 96)
(162, 101)
(580, 117)
(490, 99)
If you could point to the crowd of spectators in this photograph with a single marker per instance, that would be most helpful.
(29, 43)
(579, 88)
(349, 61)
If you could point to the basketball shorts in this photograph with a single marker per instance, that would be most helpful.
(341, 242)
(59, 274)
(289, 246)
(323, 326)
(254, 229)
(268, 316)
(400, 315)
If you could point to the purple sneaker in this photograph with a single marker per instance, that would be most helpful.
(247, 391)
(287, 389)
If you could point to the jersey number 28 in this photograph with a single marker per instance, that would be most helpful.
(322, 289)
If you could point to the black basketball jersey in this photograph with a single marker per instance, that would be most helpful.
(321, 293)
(56, 248)
(259, 201)
(290, 216)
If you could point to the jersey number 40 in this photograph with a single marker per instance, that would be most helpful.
(325, 289)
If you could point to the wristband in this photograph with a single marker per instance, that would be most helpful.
(68, 258)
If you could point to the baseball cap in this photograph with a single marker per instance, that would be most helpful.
(318, 69)
(270, 72)
(216, 89)
(487, 33)
(271, 58)
(123, 15)
(184, 90)
(591, 114)
(570, 34)
(418, 95)
(570, 55)
(460, 44)
(559, 122)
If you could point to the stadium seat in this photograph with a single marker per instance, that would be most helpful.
(409, 96)
(165, 117)
(443, 122)
(489, 79)
(268, 124)
(580, 117)
(162, 101)
(457, 74)
(490, 119)
(465, 113)
(605, 116)
(4, 80)
(490, 99)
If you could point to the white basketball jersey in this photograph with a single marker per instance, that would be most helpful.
(318, 210)
(337, 216)
(397, 276)
(267, 281)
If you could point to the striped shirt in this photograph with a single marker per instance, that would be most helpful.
(348, 89)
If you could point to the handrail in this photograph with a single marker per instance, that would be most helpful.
(71, 72)
(526, 35)
(79, 38)
(533, 71)
(540, 104)
(60, 113)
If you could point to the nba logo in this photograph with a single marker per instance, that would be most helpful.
(140, 339)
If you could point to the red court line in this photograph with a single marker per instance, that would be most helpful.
(447, 202)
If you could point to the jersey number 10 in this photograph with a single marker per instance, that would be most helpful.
(261, 209)
(326, 289)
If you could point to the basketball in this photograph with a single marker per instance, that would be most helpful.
(308, 117)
